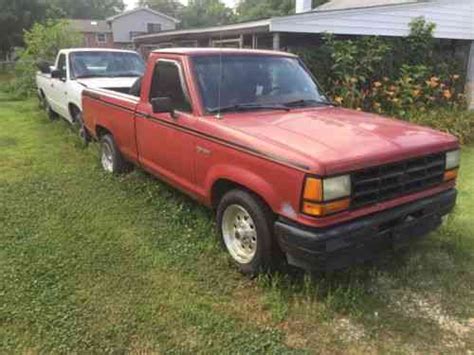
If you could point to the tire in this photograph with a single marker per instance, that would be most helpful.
(111, 159)
(53, 116)
(41, 101)
(83, 133)
(245, 227)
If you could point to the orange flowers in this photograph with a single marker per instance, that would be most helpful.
(433, 82)
(338, 99)
(447, 94)
(410, 92)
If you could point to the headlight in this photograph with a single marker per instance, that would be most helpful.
(335, 188)
(322, 197)
(453, 159)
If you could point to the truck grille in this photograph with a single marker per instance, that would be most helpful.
(390, 181)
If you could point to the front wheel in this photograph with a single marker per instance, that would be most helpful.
(83, 133)
(53, 116)
(41, 101)
(245, 226)
(110, 157)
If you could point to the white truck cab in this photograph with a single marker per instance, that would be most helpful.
(60, 90)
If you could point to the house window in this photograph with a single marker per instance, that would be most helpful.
(101, 38)
(154, 27)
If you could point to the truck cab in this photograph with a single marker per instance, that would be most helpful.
(60, 88)
(291, 176)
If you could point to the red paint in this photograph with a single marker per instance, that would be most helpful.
(268, 152)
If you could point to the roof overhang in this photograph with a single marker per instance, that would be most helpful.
(454, 19)
(198, 33)
(138, 9)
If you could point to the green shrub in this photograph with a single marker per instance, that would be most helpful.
(455, 121)
(6, 78)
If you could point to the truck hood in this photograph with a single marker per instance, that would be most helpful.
(104, 83)
(334, 140)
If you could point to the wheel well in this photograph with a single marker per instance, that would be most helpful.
(101, 131)
(73, 109)
(222, 186)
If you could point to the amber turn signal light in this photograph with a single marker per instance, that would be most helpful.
(313, 189)
(451, 175)
(324, 209)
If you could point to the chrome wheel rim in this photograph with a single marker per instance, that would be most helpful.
(239, 233)
(107, 160)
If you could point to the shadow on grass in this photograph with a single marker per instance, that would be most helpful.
(353, 291)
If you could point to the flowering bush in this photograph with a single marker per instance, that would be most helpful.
(416, 90)
(398, 77)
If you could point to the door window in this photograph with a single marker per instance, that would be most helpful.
(168, 82)
(62, 65)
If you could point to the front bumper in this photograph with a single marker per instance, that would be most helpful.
(365, 238)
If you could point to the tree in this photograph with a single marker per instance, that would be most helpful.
(198, 13)
(15, 16)
(42, 42)
(201, 13)
(19, 15)
(248, 10)
(87, 9)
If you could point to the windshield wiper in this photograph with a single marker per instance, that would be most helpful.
(306, 103)
(89, 76)
(126, 75)
(249, 107)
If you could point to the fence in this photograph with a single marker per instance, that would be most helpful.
(6, 66)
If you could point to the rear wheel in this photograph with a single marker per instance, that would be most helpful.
(111, 159)
(246, 230)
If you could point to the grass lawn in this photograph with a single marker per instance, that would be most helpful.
(96, 263)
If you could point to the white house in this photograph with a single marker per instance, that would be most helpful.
(118, 31)
(139, 21)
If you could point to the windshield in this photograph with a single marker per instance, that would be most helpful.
(234, 82)
(106, 64)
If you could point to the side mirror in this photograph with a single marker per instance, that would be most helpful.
(44, 67)
(57, 74)
(162, 104)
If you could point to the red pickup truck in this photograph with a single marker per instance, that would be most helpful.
(251, 135)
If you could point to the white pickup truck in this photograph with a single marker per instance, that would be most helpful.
(60, 86)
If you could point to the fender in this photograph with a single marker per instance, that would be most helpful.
(242, 176)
